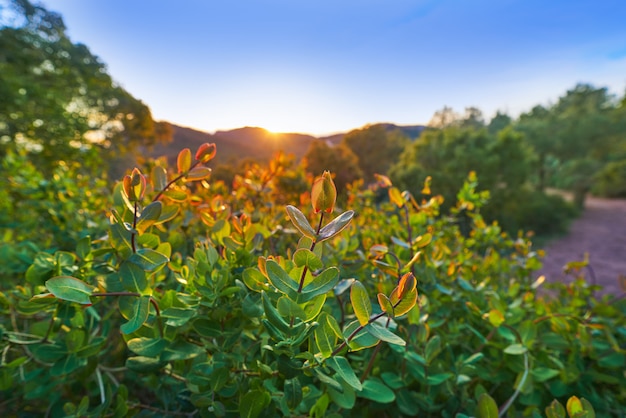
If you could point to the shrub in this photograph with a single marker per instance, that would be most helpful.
(188, 307)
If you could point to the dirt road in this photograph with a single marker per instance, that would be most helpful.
(600, 232)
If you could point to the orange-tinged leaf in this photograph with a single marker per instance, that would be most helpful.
(406, 284)
(385, 304)
(404, 304)
(396, 197)
(495, 317)
(206, 152)
(383, 180)
(198, 173)
(183, 162)
(426, 188)
(574, 406)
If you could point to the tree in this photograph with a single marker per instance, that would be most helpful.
(339, 159)
(57, 100)
(499, 122)
(376, 147)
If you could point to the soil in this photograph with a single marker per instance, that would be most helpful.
(599, 232)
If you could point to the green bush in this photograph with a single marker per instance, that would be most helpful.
(610, 181)
(198, 301)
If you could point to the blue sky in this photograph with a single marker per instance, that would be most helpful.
(325, 66)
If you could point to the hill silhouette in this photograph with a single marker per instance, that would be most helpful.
(247, 143)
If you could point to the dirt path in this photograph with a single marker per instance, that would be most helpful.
(600, 232)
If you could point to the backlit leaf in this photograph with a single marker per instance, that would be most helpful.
(321, 284)
(133, 277)
(384, 334)
(149, 347)
(487, 407)
(198, 173)
(300, 221)
(183, 161)
(148, 259)
(343, 369)
(335, 226)
(515, 349)
(281, 280)
(149, 216)
(360, 302)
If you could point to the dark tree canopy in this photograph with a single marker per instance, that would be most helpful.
(57, 99)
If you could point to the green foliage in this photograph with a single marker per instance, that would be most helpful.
(610, 181)
(203, 301)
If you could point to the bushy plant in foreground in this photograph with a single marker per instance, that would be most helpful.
(187, 307)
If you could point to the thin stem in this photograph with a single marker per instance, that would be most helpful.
(180, 176)
(370, 364)
(100, 386)
(304, 271)
(509, 402)
(133, 232)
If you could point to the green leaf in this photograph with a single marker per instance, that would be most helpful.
(591, 413)
(473, 358)
(198, 173)
(321, 284)
(70, 289)
(433, 348)
(83, 248)
(361, 340)
(495, 317)
(343, 285)
(305, 257)
(360, 303)
(141, 309)
(181, 350)
(253, 403)
(149, 216)
(515, 349)
(148, 259)
(159, 178)
(336, 226)
(290, 309)
(293, 392)
(281, 280)
(541, 374)
(168, 212)
(487, 407)
(149, 347)
(344, 370)
(255, 280)
(300, 221)
(437, 379)
(144, 364)
(313, 307)
(406, 304)
(273, 316)
(555, 410)
(325, 337)
(133, 277)
(385, 304)
(377, 391)
(384, 334)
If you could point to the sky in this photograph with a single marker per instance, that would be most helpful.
(329, 66)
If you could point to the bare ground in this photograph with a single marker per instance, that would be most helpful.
(601, 233)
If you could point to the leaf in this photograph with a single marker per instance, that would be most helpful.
(183, 162)
(133, 277)
(70, 289)
(149, 216)
(148, 259)
(198, 173)
(304, 257)
(182, 350)
(384, 334)
(168, 212)
(141, 309)
(336, 226)
(253, 403)
(289, 309)
(360, 303)
(343, 285)
(574, 406)
(321, 284)
(433, 348)
(515, 349)
(555, 410)
(377, 391)
(313, 307)
(149, 347)
(325, 337)
(406, 304)
(255, 280)
(300, 221)
(272, 314)
(343, 369)
(281, 280)
(385, 304)
(437, 379)
(495, 317)
(361, 340)
(395, 196)
(541, 374)
(487, 407)
(293, 392)
(159, 178)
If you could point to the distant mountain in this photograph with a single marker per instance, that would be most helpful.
(251, 142)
